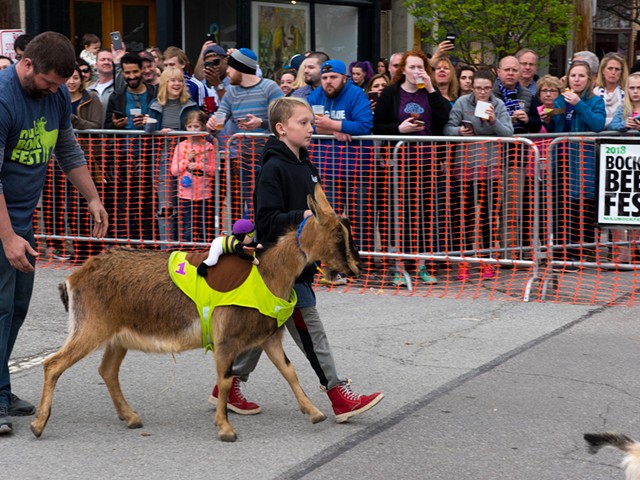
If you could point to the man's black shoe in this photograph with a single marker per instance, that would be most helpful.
(20, 408)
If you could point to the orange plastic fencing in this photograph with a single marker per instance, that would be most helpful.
(495, 218)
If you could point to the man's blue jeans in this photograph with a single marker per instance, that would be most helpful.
(15, 294)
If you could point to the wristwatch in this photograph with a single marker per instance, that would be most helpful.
(220, 87)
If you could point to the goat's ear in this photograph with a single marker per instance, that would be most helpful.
(313, 206)
(321, 200)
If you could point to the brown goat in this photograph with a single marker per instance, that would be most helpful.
(125, 299)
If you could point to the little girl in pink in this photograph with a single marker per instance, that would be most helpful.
(194, 163)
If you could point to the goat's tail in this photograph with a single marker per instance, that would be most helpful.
(64, 295)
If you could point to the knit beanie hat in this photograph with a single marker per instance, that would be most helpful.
(244, 60)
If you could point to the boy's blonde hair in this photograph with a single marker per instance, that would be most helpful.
(281, 110)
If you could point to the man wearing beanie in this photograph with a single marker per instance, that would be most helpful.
(245, 106)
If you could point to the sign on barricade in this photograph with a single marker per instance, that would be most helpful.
(618, 181)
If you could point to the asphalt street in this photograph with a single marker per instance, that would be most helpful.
(474, 389)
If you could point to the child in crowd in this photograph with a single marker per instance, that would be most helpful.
(286, 178)
(194, 163)
(91, 44)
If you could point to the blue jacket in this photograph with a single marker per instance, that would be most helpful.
(589, 115)
(353, 108)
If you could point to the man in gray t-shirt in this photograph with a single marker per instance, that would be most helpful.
(35, 122)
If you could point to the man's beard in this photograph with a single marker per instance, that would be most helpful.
(133, 83)
(336, 92)
(32, 91)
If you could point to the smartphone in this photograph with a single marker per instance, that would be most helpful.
(210, 37)
(211, 64)
(420, 123)
(373, 96)
(116, 40)
(469, 125)
(451, 37)
(117, 114)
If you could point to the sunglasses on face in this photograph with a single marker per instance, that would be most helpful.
(85, 70)
(213, 63)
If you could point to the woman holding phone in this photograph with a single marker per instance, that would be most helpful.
(412, 105)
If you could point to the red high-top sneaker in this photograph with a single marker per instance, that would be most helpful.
(237, 403)
(346, 403)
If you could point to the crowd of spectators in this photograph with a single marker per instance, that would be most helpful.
(409, 94)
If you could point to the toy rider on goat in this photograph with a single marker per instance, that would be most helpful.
(243, 233)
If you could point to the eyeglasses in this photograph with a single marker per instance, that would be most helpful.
(549, 90)
(482, 89)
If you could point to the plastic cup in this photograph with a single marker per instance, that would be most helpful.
(318, 110)
(210, 104)
(220, 118)
(151, 125)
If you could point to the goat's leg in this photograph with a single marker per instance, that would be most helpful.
(109, 371)
(76, 347)
(224, 360)
(273, 348)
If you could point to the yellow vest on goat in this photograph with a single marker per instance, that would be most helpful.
(252, 293)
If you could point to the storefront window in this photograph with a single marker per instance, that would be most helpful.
(336, 31)
(204, 16)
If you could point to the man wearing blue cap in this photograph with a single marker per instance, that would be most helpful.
(346, 169)
(211, 73)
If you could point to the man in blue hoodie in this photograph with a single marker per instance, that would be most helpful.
(347, 170)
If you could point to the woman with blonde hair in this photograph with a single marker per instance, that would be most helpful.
(169, 109)
(610, 83)
(548, 88)
(445, 78)
(173, 102)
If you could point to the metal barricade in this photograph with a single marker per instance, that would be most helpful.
(149, 203)
(418, 205)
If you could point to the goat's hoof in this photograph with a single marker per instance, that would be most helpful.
(228, 437)
(320, 417)
(36, 431)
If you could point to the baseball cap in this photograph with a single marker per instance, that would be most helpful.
(243, 226)
(147, 56)
(336, 66)
(217, 49)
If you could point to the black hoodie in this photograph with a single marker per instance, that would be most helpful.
(280, 196)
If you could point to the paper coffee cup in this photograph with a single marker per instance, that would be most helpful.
(135, 111)
(151, 125)
(481, 109)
